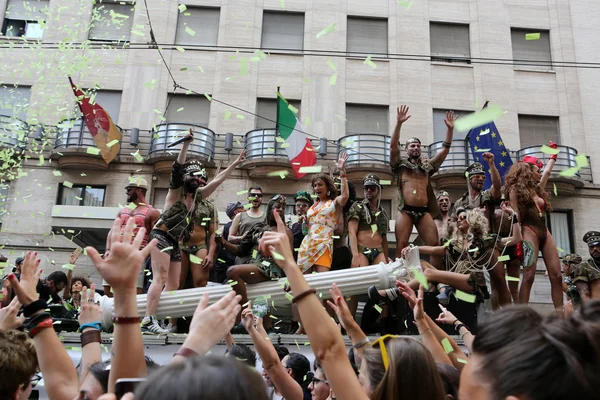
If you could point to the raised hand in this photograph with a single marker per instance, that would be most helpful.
(450, 118)
(278, 245)
(507, 208)
(405, 251)
(407, 292)
(241, 158)
(402, 114)
(488, 157)
(340, 306)
(121, 268)
(341, 162)
(26, 288)
(8, 316)
(248, 319)
(445, 317)
(189, 138)
(90, 311)
(418, 309)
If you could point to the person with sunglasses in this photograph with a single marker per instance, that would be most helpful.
(244, 222)
(319, 386)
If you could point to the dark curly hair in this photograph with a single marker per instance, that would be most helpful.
(84, 281)
(333, 192)
(520, 179)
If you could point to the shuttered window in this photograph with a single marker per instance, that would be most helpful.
(535, 130)
(110, 100)
(366, 118)
(187, 109)
(367, 35)
(450, 42)
(14, 101)
(268, 108)
(111, 21)
(439, 126)
(533, 53)
(198, 25)
(283, 30)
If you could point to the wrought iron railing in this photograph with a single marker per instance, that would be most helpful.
(365, 148)
(13, 132)
(203, 145)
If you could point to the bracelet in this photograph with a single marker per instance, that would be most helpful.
(95, 325)
(126, 320)
(90, 337)
(461, 325)
(34, 307)
(303, 294)
(47, 323)
(454, 322)
(446, 144)
(29, 325)
(185, 352)
(361, 343)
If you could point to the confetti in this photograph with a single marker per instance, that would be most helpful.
(112, 143)
(70, 267)
(289, 297)
(190, 31)
(582, 161)
(384, 182)
(208, 97)
(93, 150)
(461, 360)
(560, 250)
(277, 256)
(283, 173)
(503, 258)
(488, 114)
(377, 308)
(569, 172)
(549, 150)
(460, 295)
(57, 173)
(195, 260)
(68, 184)
(180, 49)
(333, 79)
(243, 66)
(512, 278)
(447, 346)
(555, 190)
(311, 170)
(373, 229)
(420, 277)
(227, 115)
(180, 301)
(292, 109)
(369, 62)
(325, 31)
(532, 36)
(331, 65)
(241, 192)
(239, 116)
(182, 8)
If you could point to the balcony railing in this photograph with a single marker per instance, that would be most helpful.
(13, 132)
(261, 143)
(74, 134)
(202, 147)
(365, 148)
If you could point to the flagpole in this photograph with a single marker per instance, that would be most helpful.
(277, 120)
(75, 93)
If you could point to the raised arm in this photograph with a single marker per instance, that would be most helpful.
(176, 181)
(284, 383)
(441, 155)
(339, 305)
(90, 318)
(549, 166)
(325, 338)
(496, 189)
(432, 250)
(401, 117)
(211, 186)
(342, 199)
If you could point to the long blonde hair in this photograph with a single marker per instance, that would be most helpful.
(478, 226)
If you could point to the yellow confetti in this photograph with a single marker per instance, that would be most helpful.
(377, 308)
(582, 161)
(461, 360)
(385, 183)
(333, 79)
(279, 173)
(325, 31)
(503, 258)
(447, 346)
(93, 150)
(549, 150)
(512, 278)
(532, 36)
(311, 170)
(555, 190)
(195, 260)
(469, 298)
(369, 62)
(68, 184)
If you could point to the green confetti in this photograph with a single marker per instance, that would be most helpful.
(555, 190)
(233, 283)
(560, 250)
(227, 115)
(461, 360)
(549, 150)
(569, 172)
(488, 114)
(239, 116)
(277, 256)
(447, 346)
(181, 301)
(369, 62)
(331, 65)
(333, 79)
(112, 143)
(373, 229)
(582, 161)
(325, 31)
(190, 31)
(182, 8)
(420, 277)
(180, 49)
(532, 36)
(195, 260)
(279, 173)
(208, 97)
(70, 267)
(292, 109)
(460, 295)
(289, 297)
(503, 258)
(311, 170)
(512, 278)
(377, 308)
(385, 182)
(243, 66)
(68, 184)
(57, 173)
(241, 192)
(93, 150)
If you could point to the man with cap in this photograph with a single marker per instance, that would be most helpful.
(416, 201)
(303, 202)
(143, 214)
(226, 259)
(367, 229)
(570, 263)
(175, 225)
(587, 274)
(442, 221)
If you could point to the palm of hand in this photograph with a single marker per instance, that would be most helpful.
(122, 266)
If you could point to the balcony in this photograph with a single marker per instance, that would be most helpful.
(451, 173)
(367, 152)
(162, 156)
(13, 133)
(264, 153)
(73, 139)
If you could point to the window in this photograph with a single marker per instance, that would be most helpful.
(81, 195)
(110, 100)
(25, 18)
(535, 130)
(363, 118)
(268, 108)
(112, 21)
(560, 224)
(198, 25)
(159, 198)
(283, 30)
(14, 101)
(531, 52)
(439, 126)
(367, 35)
(188, 109)
(450, 42)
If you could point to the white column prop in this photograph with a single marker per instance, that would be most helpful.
(353, 281)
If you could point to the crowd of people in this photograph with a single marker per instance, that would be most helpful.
(473, 248)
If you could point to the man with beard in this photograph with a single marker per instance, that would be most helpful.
(244, 222)
(143, 214)
(175, 225)
(442, 221)
(587, 274)
(416, 202)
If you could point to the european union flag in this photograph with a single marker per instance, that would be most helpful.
(486, 138)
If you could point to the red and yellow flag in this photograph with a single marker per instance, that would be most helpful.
(100, 125)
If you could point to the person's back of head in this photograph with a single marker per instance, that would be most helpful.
(299, 365)
(411, 372)
(551, 359)
(243, 353)
(450, 379)
(281, 350)
(207, 378)
(18, 364)
(58, 277)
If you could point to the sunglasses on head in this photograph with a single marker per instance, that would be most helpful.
(383, 350)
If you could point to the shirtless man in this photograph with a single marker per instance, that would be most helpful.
(198, 252)
(417, 205)
(244, 222)
(587, 274)
(174, 226)
(442, 221)
(144, 216)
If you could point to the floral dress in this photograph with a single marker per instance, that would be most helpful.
(322, 221)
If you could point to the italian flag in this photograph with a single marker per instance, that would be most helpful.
(297, 145)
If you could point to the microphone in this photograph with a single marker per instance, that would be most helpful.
(175, 143)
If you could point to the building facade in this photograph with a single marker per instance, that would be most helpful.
(345, 65)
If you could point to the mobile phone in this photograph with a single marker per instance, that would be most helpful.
(260, 307)
(127, 385)
(76, 253)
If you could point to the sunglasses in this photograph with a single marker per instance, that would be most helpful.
(253, 195)
(383, 350)
(371, 188)
(315, 381)
(35, 380)
(462, 217)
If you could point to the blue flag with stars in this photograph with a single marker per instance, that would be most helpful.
(486, 138)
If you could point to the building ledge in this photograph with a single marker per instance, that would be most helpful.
(79, 159)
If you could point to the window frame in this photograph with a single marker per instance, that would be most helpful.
(61, 189)
(278, 12)
(450, 59)
(180, 23)
(131, 18)
(375, 54)
(536, 65)
(557, 140)
(570, 227)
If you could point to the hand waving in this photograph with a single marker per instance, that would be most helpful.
(241, 158)
(26, 288)
(402, 114)
(450, 118)
(8, 316)
(276, 243)
(445, 317)
(341, 162)
(90, 311)
(121, 268)
(340, 306)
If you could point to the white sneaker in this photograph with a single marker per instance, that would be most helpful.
(171, 328)
(151, 325)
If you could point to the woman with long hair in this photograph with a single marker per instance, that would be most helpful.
(524, 186)
(316, 250)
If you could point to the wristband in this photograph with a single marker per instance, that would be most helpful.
(461, 325)
(90, 337)
(126, 320)
(303, 295)
(47, 323)
(97, 325)
(454, 322)
(32, 322)
(185, 352)
(361, 343)
(446, 144)
(34, 307)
